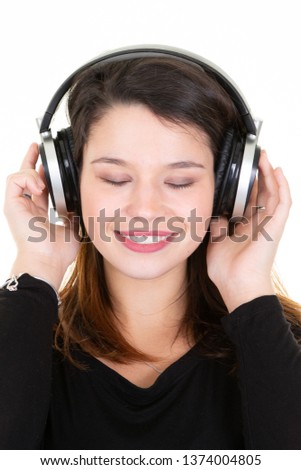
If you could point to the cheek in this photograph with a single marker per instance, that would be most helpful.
(90, 205)
(98, 211)
(200, 215)
(198, 223)
(94, 198)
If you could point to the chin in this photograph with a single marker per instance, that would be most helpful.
(145, 271)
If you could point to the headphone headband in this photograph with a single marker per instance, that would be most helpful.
(138, 52)
(238, 160)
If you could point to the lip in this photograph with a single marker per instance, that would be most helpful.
(128, 240)
(139, 233)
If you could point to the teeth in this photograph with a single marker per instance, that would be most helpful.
(146, 240)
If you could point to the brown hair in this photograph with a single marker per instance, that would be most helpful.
(181, 93)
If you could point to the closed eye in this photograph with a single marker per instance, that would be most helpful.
(179, 185)
(115, 182)
(171, 185)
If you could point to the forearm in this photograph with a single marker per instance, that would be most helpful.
(27, 316)
(269, 373)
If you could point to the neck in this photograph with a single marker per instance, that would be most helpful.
(149, 310)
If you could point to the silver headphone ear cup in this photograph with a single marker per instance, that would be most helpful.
(52, 171)
(247, 174)
(235, 173)
(60, 171)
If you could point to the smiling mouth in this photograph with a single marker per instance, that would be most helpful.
(145, 238)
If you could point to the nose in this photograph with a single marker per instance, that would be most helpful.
(145, 201)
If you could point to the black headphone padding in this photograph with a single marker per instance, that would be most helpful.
(64, 144)
(226, 172)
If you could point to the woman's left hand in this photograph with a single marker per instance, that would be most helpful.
(240, 264)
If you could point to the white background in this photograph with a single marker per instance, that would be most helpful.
(256, 42)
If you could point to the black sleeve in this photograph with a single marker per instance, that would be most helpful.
(27, 316)
(269, 374)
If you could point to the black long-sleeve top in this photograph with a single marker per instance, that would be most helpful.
(47, 403)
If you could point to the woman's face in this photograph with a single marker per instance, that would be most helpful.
(147, 189)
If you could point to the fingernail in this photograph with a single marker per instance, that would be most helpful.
(264, 153)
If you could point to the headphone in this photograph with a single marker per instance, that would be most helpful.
(236, 168)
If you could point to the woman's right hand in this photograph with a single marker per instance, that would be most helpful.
(43, 249)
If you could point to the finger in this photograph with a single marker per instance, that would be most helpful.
(268, 191)
(41, 173)
(31, 157)
(278, 218)
(41, 200)
(285, 200)
(42, 177)
(252, 204)
(24, 182)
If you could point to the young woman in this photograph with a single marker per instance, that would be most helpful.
(169, 332)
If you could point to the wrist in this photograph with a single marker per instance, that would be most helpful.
(240, 295)
(12, 284)
(43, 268)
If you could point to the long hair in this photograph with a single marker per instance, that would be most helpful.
(180, 93)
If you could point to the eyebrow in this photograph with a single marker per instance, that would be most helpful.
(111, 160)
(120, 162)
(185, 164)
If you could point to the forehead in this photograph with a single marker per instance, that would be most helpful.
(133, 131)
